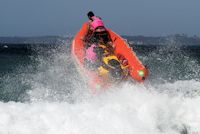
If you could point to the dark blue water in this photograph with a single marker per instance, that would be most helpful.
(20, 63)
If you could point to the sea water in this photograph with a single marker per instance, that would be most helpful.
(42, 93)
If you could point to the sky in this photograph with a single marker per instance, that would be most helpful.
(126, 17)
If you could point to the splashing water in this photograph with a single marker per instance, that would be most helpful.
(131, 109)
(58, 101)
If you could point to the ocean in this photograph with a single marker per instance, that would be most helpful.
(42, 93)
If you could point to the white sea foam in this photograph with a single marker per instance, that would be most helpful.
(133, 109)
(60, 104)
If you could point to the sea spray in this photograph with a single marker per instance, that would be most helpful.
(57, 100)
(131, 109)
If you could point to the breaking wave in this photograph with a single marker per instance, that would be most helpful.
(57, 100)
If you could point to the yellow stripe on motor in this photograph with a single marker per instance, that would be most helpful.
(108, 58)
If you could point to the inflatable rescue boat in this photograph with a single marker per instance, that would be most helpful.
(120, 65)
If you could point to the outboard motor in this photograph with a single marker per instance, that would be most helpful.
(115, 69)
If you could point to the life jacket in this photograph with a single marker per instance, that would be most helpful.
(90, 54)
(96, 23)
(96, 28)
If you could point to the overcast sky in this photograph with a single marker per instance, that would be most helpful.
(126, 17)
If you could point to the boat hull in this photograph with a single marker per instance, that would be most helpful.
(137, 71)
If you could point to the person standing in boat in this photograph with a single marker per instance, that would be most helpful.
(96, 29)
(97, 34)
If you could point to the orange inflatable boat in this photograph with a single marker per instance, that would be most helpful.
(136, 70)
